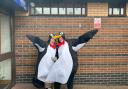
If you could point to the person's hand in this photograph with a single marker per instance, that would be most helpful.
(54, 59)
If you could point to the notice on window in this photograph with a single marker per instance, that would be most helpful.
(97, 22)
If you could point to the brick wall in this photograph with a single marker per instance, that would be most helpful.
(97, 9)
(104, 60)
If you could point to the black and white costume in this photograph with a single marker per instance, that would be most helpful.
(63, 70)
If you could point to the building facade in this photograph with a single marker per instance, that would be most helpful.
(103, 61)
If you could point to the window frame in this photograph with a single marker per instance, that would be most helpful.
(59, 6)
(112, 5)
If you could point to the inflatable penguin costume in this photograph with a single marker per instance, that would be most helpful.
(42, 47)
(62, 70)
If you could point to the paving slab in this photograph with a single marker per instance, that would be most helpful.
(30, 86)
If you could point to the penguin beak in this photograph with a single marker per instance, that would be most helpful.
(56, 36)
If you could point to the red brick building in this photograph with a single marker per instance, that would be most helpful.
(103, 61)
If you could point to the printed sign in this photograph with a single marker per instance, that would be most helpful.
(97, 22)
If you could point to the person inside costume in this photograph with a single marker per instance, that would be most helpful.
(57, 59)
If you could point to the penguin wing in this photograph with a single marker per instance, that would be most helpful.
(83, 39)
(37, 42)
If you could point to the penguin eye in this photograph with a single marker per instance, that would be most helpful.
(51, 35)
(61, 33)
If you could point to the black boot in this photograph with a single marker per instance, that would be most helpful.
(57, 85)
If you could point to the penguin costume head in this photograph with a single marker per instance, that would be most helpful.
(62, 35)
(50, 36)
(61, 39)
(56, 37)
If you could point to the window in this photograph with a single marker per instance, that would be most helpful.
(5, 34)
(54, 11)
(77, 11)
(117, 9)
(5, 70)
(62, 11)
(6, 51)
(83, 11)
(38, 10)
(46, 10)
(32, 10)
(69, 10)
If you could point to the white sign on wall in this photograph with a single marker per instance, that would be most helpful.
(97, 22)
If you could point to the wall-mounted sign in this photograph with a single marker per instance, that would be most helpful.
(97, 22)
(21, 3)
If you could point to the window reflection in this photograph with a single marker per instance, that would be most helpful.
(77, 11)
(46, 10)
(54, 11)
(5, 34)
(122, 11)
(70, 11)
(5, 72)
(38, 10)
(62, 11)
(116, 11)
(32, 11)
(110, 11)
(83, 11)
